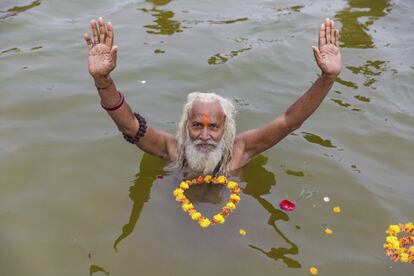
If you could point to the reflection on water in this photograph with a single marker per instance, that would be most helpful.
(94, 268)
(356, 19)
(164, 23)
(371, 70)
(346, 83)
(295, 173)
(362, 98)
(315, 139)
(342, 103)
(223, 58)
(291, 9)
(259, 182)
(16, 50)
(139, 193)
(18, 9)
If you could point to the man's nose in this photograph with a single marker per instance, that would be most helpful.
(204, 134)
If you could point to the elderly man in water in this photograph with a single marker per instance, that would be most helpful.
(206, 142)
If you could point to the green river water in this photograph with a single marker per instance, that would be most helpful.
(76, 199)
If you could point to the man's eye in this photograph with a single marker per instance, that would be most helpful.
(197, 125)
(214, 126)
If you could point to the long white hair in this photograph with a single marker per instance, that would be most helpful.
(229, 128)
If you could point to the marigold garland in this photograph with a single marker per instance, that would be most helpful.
(396, 248)
(189, 208)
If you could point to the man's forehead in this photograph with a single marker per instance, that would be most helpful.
(212, 110)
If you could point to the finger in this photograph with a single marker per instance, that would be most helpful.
(109, 36)
(317, 54)
(332, 32)
(94, 31)
(102, 30)
(328, 30)
(322, 38)
(88, 40)
(114, 51)
(336, 38)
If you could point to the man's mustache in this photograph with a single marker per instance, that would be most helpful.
(209, 142)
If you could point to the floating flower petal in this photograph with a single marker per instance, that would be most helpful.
(313, 270)
(287, 205)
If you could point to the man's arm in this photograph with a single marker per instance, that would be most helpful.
(328, 58)
(101, 61)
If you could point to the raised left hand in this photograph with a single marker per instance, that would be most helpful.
(327, 54)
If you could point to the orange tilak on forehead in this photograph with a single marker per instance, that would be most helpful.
(205, 120)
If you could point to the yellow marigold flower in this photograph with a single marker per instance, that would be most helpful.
(219, 218)
(391, 239)
(409, 227)
(401, 250)
(204, 223)
(178, 192)
(313, 270)
(221, 179)
(234, 198)
(242, 232)
(337, 210)
(411, 249)
(207, 178)
(184, 185)
(404, 257)
(232, 185)
(393, 229)
(328, 231)
(387, 246)
(395, 244)
(187, 206)
(180, 197)
(235, 190)
(231, 205)
(196, 215)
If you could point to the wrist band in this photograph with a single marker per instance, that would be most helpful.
(141, 131)
(117, 105)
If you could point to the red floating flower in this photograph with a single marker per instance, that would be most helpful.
(287, 205)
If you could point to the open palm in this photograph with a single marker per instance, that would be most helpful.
(102, 53)
(327, 54)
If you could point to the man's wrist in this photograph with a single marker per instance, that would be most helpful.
(103, 82)
(328, 77)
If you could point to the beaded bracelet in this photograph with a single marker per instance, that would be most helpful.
(117, 105)
(141, 131)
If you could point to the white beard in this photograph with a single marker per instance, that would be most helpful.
(200, 161)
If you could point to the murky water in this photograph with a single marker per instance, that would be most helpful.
(75, 199)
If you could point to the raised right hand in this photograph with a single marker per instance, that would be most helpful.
(102, 53)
